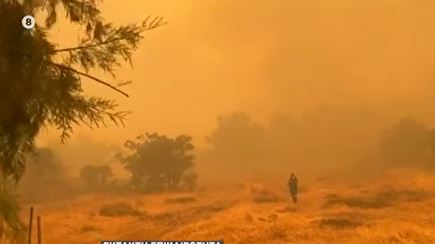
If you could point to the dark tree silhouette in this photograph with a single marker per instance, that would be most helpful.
(157, 161)
(96, 176)
(190, 181)
(46, 177)
(41, 82)
(238, 143)
(406, 142)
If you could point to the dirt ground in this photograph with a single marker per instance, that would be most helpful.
(388, 209)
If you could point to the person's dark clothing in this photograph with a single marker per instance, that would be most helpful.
(293, 187)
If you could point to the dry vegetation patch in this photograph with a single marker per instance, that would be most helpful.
(181, 200)
(287, 209)
(276, 232)
(342, 220)
(88, 228)
(339, 222)
(408, 195)
(214, 207)
(118, 210)
(265, 196)
(358, 202)
(192, 214)
(382, 199)
(260, 214)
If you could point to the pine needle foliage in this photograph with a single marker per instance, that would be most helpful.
(41, 82)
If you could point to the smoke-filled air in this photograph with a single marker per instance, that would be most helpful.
(281, 121)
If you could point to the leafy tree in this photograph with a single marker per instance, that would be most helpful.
(47, 165)
(45, 177)
(190, 180)
(96, 176)
(11, 226)
(406, 142)
(41, 82)
(238, 141)
(157, 161)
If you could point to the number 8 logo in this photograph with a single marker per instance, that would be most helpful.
(28, 22)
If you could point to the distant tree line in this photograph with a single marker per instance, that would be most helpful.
(155, 162)
(240, 145)
(158, 162)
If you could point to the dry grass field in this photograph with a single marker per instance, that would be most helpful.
(392, 208)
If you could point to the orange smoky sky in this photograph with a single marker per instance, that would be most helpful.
(269, 57)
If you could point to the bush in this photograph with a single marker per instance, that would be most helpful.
(96, 177)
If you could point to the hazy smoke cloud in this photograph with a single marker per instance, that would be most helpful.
(275, 57)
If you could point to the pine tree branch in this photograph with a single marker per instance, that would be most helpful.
(146, 26)
(87, 46)
(64, 67)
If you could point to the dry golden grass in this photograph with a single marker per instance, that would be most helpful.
(385, 210)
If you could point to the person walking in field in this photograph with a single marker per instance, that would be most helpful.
(293, 187)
